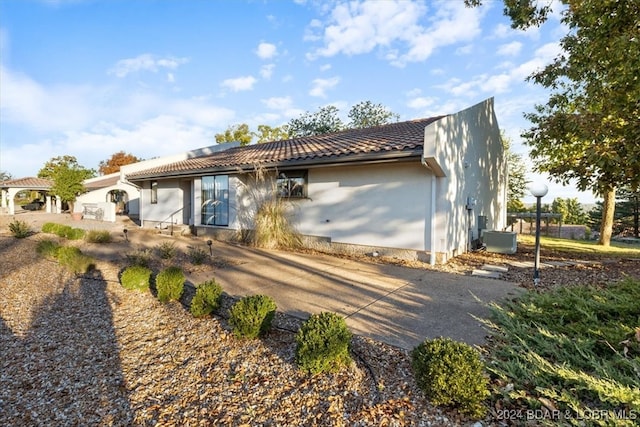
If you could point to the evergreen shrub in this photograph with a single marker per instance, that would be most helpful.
(450, 373)
(98, 236)
(207, 298)
(136, 277)
(322, 343)
(72, 258)
(251, 316)
(170, 284)
(19, 229)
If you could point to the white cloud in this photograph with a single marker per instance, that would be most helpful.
(320, 86)
(266, 71)
(240, 83)
(145, 62)
(26, 102)
(509, 49)
(394, 27)
(278, 103)
(420, 102)
(266, 50)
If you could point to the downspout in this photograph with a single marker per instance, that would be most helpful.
(432, 234)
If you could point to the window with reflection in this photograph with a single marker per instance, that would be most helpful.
(292, 184)
(215, 200)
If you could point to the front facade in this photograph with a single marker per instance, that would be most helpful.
(419, 189)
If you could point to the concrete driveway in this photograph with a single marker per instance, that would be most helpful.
(397, 305)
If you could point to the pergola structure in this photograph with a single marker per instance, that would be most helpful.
(53, 203)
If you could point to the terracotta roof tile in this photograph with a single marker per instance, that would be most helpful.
(401, 139)
(28, 182)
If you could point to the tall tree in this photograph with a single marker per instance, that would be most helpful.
(267, 133)
(367, 114)
(588, 130)
(236, 133)
(325, 120)
(67, 176)
(517, 176)
(5, 176)
(117, 160)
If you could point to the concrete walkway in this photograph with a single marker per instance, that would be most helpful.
(397, 305)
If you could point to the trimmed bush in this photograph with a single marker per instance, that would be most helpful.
(98, 236)
(19, 229)
(206, 299)
(73, 259)
(141, 257)
(323, 343)
(450, 373)
(136, 277)
(166, 250)
(170, 284)
(47, 248)
(251, 317)
(197, 256)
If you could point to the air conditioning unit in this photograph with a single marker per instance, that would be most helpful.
(502, 242)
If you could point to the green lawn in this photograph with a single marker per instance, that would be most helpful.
(582, 247)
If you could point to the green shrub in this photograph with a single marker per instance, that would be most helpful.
(72, 258)
(136, 277)
(251, 317)
(206, 299)
(50, 227)
(141, 257)
(323, 343)
(170, 284)
(47, 248)
(62, 230)
(166, 250)
(450, 373)
(75, 233)
(197, 256)
(19, 229)
(98, 236)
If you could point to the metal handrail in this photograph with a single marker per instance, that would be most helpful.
(170, 217)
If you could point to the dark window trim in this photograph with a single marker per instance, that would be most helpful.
(288, 184)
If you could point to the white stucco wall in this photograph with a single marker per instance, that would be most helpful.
(383, 205)
(171, 200)
(467, 147)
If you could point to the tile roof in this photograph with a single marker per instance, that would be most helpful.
(102, 182)
(28, 182)
(402, 139)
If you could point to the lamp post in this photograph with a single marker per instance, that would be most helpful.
(538, 190)
(125, 231)
(209, 243)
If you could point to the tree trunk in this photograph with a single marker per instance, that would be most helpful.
(608, 210)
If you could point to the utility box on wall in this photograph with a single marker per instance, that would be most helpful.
(502, 242)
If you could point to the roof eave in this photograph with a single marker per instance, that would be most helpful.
(366, 158)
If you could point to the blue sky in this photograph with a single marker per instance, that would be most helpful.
(90, 78)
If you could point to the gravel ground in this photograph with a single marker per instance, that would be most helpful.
(85, 351)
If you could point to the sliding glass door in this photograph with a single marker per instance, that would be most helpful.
(215, 200)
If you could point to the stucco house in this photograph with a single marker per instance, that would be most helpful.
(422, 188)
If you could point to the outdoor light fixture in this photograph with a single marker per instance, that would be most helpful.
(125, 231)
(209, 243)
(538, 190)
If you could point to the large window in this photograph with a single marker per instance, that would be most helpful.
(292, 184)
(215, 200)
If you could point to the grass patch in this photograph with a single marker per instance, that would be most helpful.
(98, 236)
(575, 348)
(582, 247)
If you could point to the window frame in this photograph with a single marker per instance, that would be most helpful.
(286, 183)
(220, 218)
(154, 192)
